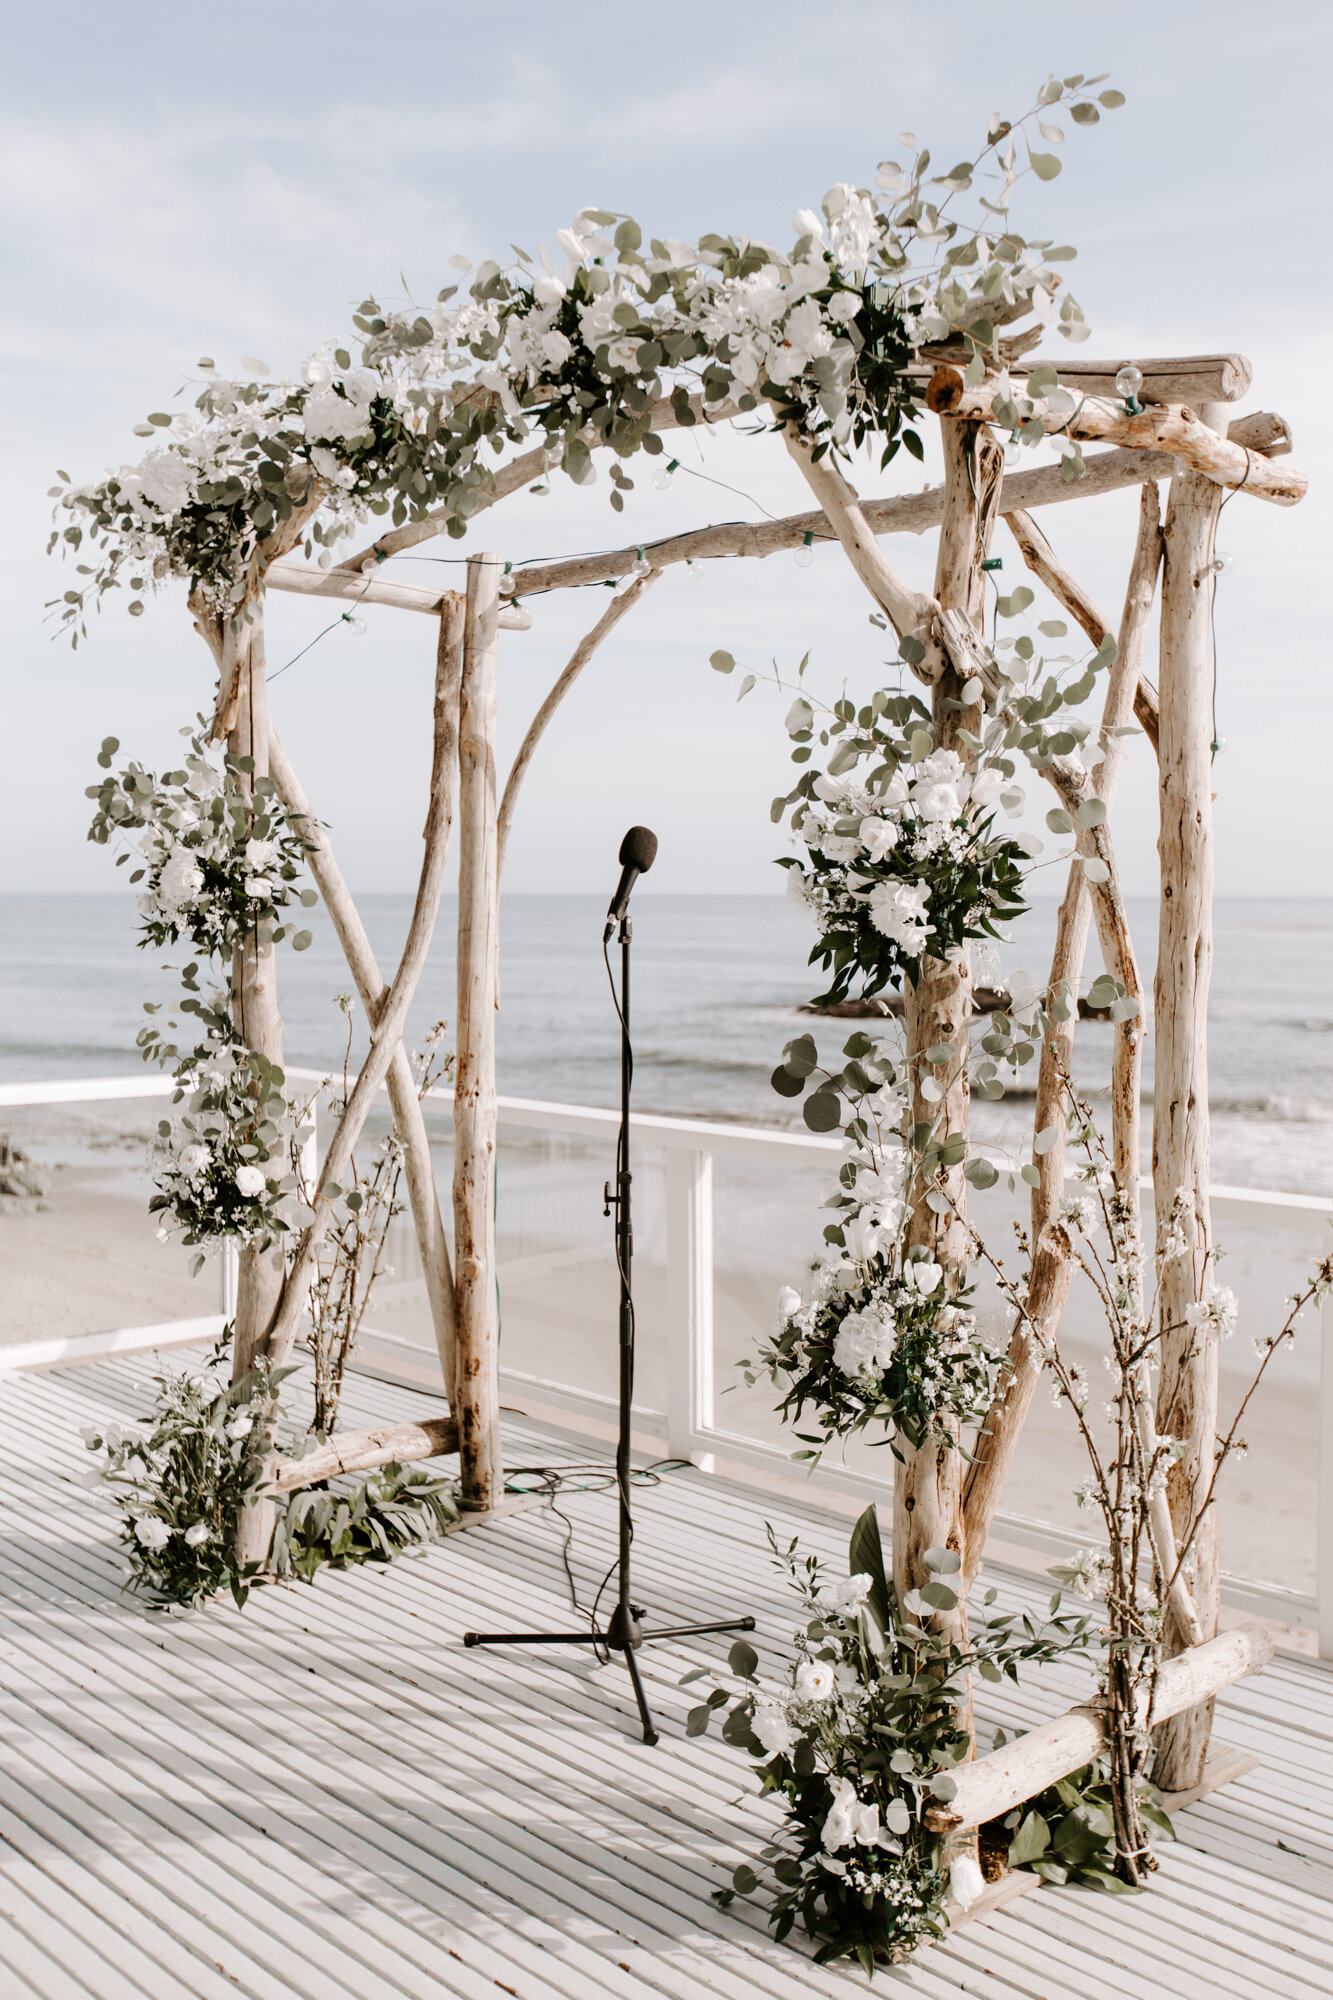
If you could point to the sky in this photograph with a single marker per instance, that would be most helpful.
(182, 182)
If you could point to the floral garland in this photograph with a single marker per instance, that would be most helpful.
(862, 1733)
(221, 859)
(823, 335)
(220, 856)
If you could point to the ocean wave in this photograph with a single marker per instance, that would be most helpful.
(1273, 1110)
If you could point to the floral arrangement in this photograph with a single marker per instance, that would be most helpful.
(859, 1736)
(824, 335)
(181, 1479)
(214, 847)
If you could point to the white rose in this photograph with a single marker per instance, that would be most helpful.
(240, 1427)
(250, 1182)
(771, 1726)
(258, 854)
(898, 910)
(848, 1594)
(167, 480)
(180, 882)
(193, 1161)
(814, 1680)
(879, 837)
(547, 290)
(556, 348)
(151, 1532)
(848, 1819)
(936, 801)
(840, 847)
(196, 1534)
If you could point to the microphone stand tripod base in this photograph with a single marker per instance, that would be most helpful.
(622, 1635)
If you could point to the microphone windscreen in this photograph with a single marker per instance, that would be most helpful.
(638, 849)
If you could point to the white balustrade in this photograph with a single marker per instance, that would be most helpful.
(689, 1421)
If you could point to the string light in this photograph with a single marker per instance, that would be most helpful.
(805, 555)
(356, 626)
(1128, 382)
(1013, 452)
(1222, 564)
(663, 475)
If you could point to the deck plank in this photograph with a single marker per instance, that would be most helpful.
(327, 1795)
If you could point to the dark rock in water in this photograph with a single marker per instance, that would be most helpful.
(19, 1176)
(985, 1000)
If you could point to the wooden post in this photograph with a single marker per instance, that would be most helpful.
(255, 1010)
(928, 1484)
(1187, 1396)
(475, 1118)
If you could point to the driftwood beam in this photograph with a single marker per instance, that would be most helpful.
(1176, 378)
(1008, 1777)
(357, 589)
(1175, 429)
(362, 1451)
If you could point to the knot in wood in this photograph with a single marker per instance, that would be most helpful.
(944, 391)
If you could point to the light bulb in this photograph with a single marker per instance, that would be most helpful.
(1128, 381)
(508, 585)
(356, 626)
(693, 568)
(805, 555)
(631, 577)
(1220, 746)
(1013, 451)
(370, 565)
(1222, 564)
(664, 473)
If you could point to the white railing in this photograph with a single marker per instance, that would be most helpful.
(689, 1422)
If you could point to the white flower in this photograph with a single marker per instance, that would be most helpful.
(840, 847)
(771, 1726)
(849, 1593)
(936, 801)
(987, 786)
(258, 888)
(258, 854)
(806, 223)
(547, 290)
(879, 837)
(250, 1182)
(240, 1427)
(923, 1275)
(848, 1819)
(898, 909)
(167, 480)
(151, 1532)
(863, 1342)
(789, 1304)
(193, 1161)
(862, 1237)
(180, 882)
(197, 1533)
(814, 1680)
(966, 1882)
(797, 893)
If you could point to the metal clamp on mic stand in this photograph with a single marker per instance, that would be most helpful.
(624, 1632)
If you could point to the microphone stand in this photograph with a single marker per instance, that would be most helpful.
(624, 1632)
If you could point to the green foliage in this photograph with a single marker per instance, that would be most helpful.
(375, 1519)
(1067, 1833)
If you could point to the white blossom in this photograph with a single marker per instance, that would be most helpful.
(814, 1680)
(151, 1532)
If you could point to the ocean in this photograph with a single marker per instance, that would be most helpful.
(718, 981)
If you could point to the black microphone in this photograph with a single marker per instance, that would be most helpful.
(638, 851)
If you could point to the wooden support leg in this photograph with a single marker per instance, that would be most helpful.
(475, 1118)
(255, 1010)
(1187, 1396)
(928, 1483)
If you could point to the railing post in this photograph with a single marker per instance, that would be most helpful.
(1323, 1505)
(689, 1302)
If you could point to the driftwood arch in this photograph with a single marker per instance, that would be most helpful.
(1183, 434)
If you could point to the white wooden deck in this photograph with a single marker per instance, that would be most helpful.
(327, 1798)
